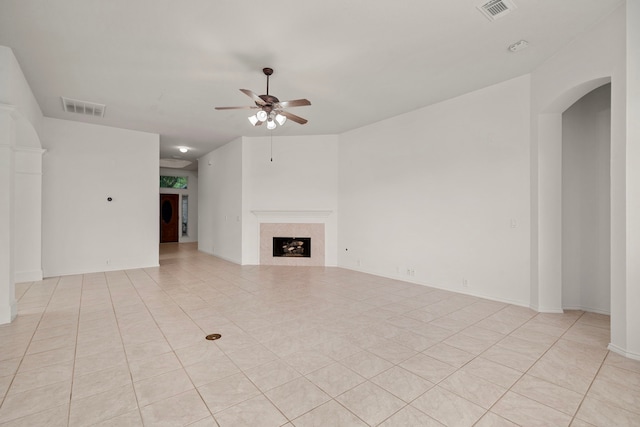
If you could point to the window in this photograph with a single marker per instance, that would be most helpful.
(185, 215)
(173, 182)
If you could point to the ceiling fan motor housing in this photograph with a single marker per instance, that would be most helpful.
(269, 101)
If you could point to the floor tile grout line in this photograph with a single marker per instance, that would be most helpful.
(75, 350)
(533, 364)
(330, 284)
(479, 355)
(126, 358)
(24, 354)
(173, 350)
(574, 417)
(263, 393)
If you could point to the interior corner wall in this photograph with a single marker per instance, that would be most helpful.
(440, 196)
(8, 306)
(84, 165)
(20, 174)
(586, 224)
(192, 192)
(290, 173)
(220, 202)
(28, 214)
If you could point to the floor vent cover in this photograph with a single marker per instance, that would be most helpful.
(495, 9)
(83, 107)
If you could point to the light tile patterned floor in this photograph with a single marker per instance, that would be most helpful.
(300, 347)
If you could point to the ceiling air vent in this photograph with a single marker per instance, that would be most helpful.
(83, 107)
(495, 9)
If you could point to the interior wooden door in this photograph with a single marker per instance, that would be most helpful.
(169, 218)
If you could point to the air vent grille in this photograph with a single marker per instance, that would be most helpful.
(83, 107)
(495, 9)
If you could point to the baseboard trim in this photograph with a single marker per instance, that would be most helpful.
(8, 313)
(622, 352)
(546, 309)
(588, 309)
(28, 276)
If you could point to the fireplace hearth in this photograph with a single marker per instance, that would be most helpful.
(292, 247)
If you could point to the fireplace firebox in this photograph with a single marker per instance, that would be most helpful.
(292, 247)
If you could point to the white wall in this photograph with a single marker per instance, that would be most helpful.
(21, 183)
(8, 306)
(84, 165)
(220, 202)
(442, 192)
(15, 91)
(632, 199)
(28, 220)
(596, 57)
(192, 192)
(586, 225)
(303, 176)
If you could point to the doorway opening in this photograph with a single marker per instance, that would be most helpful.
(586, 207)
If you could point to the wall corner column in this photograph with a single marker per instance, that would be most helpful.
(8, 306)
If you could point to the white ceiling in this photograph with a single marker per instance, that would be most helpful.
(163, 65)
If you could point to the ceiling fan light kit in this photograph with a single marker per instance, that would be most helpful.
(271, 109)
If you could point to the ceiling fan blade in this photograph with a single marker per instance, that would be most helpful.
(237, 108)
(294, 103)
(293, 117)
(253, 96)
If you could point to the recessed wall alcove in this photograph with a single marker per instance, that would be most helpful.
(307, 224)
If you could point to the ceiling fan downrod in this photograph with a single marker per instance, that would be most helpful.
(267, 72)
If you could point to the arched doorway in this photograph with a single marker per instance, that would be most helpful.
(546, 229)
(586, 207)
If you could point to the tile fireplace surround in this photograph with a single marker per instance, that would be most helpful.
(270, 230)
(311, 224)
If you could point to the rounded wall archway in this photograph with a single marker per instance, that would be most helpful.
(546, 230)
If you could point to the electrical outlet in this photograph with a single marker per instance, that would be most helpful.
(413, 272)
(465, 283)
(359, 263)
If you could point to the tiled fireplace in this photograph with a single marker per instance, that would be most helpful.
(314, 232)
(293, 226)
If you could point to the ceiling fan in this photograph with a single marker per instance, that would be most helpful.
(270, 109)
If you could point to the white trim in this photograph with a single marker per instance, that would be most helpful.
(291, 216)
(33, 150)
(234, 261)
(588, 309)
(630, 355)
(28, 276)
(444, 288)
(11, 109)
(89, 270)
(547, 309)
(7, 314)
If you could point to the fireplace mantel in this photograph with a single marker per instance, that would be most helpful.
(291, 216)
